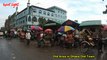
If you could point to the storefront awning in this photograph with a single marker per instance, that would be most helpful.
(91, 23)
(51, 23)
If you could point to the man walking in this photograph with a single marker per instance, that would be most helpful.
(100, 43)
(28, 36)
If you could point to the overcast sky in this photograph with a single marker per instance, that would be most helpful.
(76, 9)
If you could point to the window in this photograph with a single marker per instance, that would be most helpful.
(40, 11)
(52, 14)
(29, 19)
(48, 14)
(58, 11)
(34, 19)
(44, 13)
(23, 21)
(34, 11)
(56, 15)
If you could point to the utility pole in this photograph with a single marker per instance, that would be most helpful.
(28, 4)
(16, 16)
(28, 11)
(105, 12)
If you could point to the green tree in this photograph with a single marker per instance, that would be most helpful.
(42, 21)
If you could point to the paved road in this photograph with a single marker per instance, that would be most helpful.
(16, 50)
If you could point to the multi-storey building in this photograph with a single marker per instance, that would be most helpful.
(32, 14)
(7, 23)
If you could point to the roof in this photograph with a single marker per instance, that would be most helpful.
(42, 8)
(51, 23)
(35, 7)
(22, 10)
(91, 23)
(57, 8)
(14, 14)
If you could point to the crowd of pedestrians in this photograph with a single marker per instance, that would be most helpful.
(69, 39)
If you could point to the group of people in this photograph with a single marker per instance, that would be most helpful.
(42, 38)
(67, 40)
(10, 34)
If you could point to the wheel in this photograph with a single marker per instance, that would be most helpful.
(42, 43)
(84, 48)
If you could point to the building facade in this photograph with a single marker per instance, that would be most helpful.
(7, 23)
(31, 16)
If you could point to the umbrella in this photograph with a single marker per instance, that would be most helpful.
(65, 28)
(32, 27)
(48, 31)
(104, 27)
(36, 28)
(71, 23)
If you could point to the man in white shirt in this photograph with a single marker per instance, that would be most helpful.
(28, 36)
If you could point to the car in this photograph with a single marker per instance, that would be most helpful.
(1, 34)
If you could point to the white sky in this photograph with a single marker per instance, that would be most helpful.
(76, 9)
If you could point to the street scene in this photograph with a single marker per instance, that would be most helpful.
(53, 30)
(16, 50)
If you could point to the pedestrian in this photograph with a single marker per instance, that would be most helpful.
(69, 40)
(28, 36)
(15, 34)
(38, 38)
(100, 43)
(33, 35)
(76, 38)
(22, 35)
(62, 40)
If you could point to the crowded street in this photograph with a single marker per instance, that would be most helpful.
(53, 29)
(16, 50)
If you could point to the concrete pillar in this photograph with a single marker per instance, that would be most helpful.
(37, 19)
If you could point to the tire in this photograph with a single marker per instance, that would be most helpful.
(84, 47)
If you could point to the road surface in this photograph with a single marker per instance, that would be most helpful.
(16, 50)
